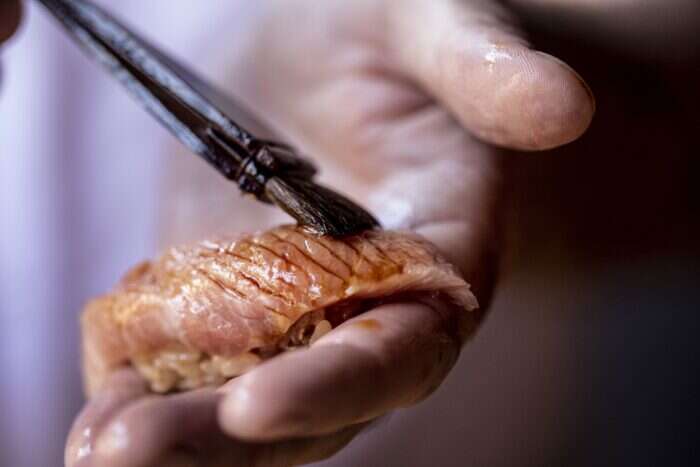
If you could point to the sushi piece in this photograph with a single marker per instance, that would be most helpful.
(204, 313)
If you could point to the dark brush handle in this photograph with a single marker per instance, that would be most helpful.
(192, 110)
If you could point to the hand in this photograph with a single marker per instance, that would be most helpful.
(10, 11)
(405, 97)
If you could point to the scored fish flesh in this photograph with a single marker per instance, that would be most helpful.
(207, 312)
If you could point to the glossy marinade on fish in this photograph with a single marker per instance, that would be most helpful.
(204, 313)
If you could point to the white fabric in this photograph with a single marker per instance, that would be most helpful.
(78, 166)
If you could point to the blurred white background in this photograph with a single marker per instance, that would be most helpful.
(78, 174)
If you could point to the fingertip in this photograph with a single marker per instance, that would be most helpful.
(558, 104)
(129, 438)
(310, 392)
(522, 99)
(258, 408)
(113, 446)
(145, 431)
(124, 386)
(482, 69)
(235, 408)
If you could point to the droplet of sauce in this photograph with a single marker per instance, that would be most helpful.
(369, 324)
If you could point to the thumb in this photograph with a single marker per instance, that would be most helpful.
(473, 59)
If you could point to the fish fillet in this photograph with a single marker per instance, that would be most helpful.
(204, 313)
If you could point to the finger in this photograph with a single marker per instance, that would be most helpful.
(182, 430)
(472, 58)
(390, 357)
(10, 12)
(145, 430)
(123, 387)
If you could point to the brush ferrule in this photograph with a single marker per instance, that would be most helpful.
(252, 163)
(270, 160)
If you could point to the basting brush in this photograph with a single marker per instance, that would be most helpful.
(201, 117)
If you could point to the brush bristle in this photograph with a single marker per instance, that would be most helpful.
(318, 207)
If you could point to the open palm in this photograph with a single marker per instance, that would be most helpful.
(402, 104)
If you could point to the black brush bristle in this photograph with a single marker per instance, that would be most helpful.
(318, 207)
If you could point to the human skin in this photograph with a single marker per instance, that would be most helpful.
(414, 132)
(409, 151)
(409, 98)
